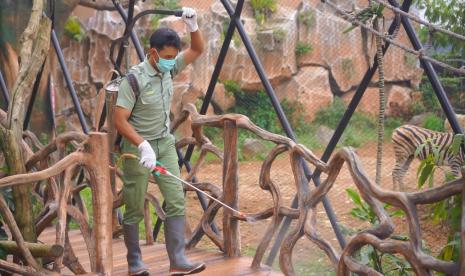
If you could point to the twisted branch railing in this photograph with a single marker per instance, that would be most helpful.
(308, 198)
(92, 157)
(61, 189)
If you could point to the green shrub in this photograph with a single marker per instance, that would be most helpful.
(236, 37)
(361, 128)
(303, 48)
(257, 106)
(434, 122)
(295, 115)
(429, 98)
(279, 35)
(417, 108)
(262, 9)
(385, 263)
(232, 87)
(307, 17)
(164, 4)
(264, 5)
(392, 123)
(73, 29)
(331, 115)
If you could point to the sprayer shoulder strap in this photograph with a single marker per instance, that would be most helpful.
(134, 87)
(135, 90)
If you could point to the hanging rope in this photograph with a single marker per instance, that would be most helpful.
(382, 94)
(420, 54)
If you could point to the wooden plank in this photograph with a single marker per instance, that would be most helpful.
(231, 232)
(156, 258)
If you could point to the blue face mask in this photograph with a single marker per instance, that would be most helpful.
(165, 65)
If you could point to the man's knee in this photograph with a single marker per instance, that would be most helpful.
(175, 205)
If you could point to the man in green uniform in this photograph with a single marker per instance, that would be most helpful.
(144, 123)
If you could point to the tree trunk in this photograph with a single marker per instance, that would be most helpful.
(35, 43)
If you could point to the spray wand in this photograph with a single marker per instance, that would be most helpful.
(159, 169)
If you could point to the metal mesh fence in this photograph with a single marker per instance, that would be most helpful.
(315, 65)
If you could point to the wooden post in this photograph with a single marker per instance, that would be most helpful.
(102, 201)
(110, 101)
(231, 232)
(148, 223)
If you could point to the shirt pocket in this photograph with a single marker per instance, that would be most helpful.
(149, 97)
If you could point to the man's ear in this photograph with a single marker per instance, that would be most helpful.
(153, 54)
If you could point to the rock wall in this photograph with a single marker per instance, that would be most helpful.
(333, 66)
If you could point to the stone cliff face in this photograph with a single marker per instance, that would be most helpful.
(330, 65)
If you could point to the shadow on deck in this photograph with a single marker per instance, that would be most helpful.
(155, 257)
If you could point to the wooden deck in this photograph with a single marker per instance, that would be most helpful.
(155, 257)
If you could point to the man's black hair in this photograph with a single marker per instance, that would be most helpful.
(165, 37)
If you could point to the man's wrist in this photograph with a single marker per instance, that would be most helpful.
(192, 29)
(142, 144)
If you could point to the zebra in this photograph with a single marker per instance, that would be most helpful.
(407, 138)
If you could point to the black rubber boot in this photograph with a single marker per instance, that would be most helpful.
(175, 245)
(131, 239)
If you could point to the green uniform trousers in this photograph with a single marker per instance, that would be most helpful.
(135, 180)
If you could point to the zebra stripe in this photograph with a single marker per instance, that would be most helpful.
(407, 138)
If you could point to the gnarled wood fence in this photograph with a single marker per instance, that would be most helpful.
(90, 161)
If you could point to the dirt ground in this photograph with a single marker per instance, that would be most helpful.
(308, 259)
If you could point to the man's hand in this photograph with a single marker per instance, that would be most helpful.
(189, 16)
(147, 155)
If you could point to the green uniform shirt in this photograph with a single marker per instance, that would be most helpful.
(151, 115)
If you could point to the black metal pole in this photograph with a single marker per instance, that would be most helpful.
(69, 82)
(127, 18)
(336, 137)
(35, 90)
(282, 117)
(135, 40)
(218, 66)
(431, 74)
(208, 96)
(5, 92)
(119, 57)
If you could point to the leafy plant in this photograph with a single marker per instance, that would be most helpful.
(449, 14)
(73, 29)
(451, 251)
(427, 167)
(359, 130)
(307, 17)
(384, 263)
(367, 14)
(257, 106)
(449, 210)
(434, 122)
(236, 37)
(279, 35)
(263, 9)
(303, 48)
(164, 4)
